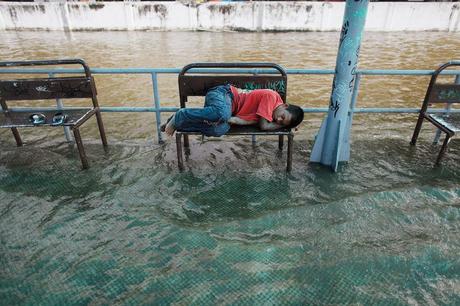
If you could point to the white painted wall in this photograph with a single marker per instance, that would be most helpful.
(434, 16)
(224, 16)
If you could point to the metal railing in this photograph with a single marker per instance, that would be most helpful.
(157, 109)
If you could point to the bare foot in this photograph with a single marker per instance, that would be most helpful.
(163, 126)
(170, 128)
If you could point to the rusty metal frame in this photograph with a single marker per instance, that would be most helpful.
(425, 115)
(183, 100)
(95, 110)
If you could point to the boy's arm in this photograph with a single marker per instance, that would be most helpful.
(268, 126)
(239, 121)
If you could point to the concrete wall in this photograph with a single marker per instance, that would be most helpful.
(224, 16)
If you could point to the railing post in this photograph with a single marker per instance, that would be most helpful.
(156, 100)
(60, 105)
(447, 108)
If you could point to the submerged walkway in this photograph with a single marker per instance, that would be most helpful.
(233, 228)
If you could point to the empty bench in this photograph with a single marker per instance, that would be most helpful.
(446, 122)
(198, 84)
(50, 88)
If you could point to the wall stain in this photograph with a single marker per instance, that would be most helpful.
(13, 13)
(452, 12)
(41, 7)
(26, 8)
(223, 9)
(144, 9)
(33, 8)
(239, 29)
(96, 6)
(159, 9)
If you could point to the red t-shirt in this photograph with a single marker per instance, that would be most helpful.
(251, 105)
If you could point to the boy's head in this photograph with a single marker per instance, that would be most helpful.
(288, 115)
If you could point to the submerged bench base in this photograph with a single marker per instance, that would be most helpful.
(237, 132)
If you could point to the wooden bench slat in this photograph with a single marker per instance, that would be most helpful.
(21, 119)
(198, 85)
(254, 129)
(45, 88)
(445, 93)
(247, 130)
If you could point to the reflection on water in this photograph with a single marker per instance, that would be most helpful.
(234, 228)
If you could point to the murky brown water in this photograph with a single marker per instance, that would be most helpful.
(410, 50)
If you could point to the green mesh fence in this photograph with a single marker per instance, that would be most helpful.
(233, 229)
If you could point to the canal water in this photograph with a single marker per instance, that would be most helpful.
(234, 228)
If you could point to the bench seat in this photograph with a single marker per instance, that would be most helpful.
(450, 121)
(21, 119)
(247, 130)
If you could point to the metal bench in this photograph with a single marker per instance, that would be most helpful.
(446, 122)
(50, 88)
(197, 84)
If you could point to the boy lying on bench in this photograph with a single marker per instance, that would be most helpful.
(226, 104)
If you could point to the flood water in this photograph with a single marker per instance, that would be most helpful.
(234, 228)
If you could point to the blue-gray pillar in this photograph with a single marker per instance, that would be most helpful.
(331, 144)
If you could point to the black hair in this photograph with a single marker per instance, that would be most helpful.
(297, 115)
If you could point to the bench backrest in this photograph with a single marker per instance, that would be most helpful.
(445, 93)
(198, 84)
(441, 93)
(48, 88)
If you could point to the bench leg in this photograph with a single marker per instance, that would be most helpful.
(180, 160)
(16, 136)
(100, 124)
(418, 127)
(81, 149)
(280, 142)
(443, 149)
(289, 153)
(186, 145)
